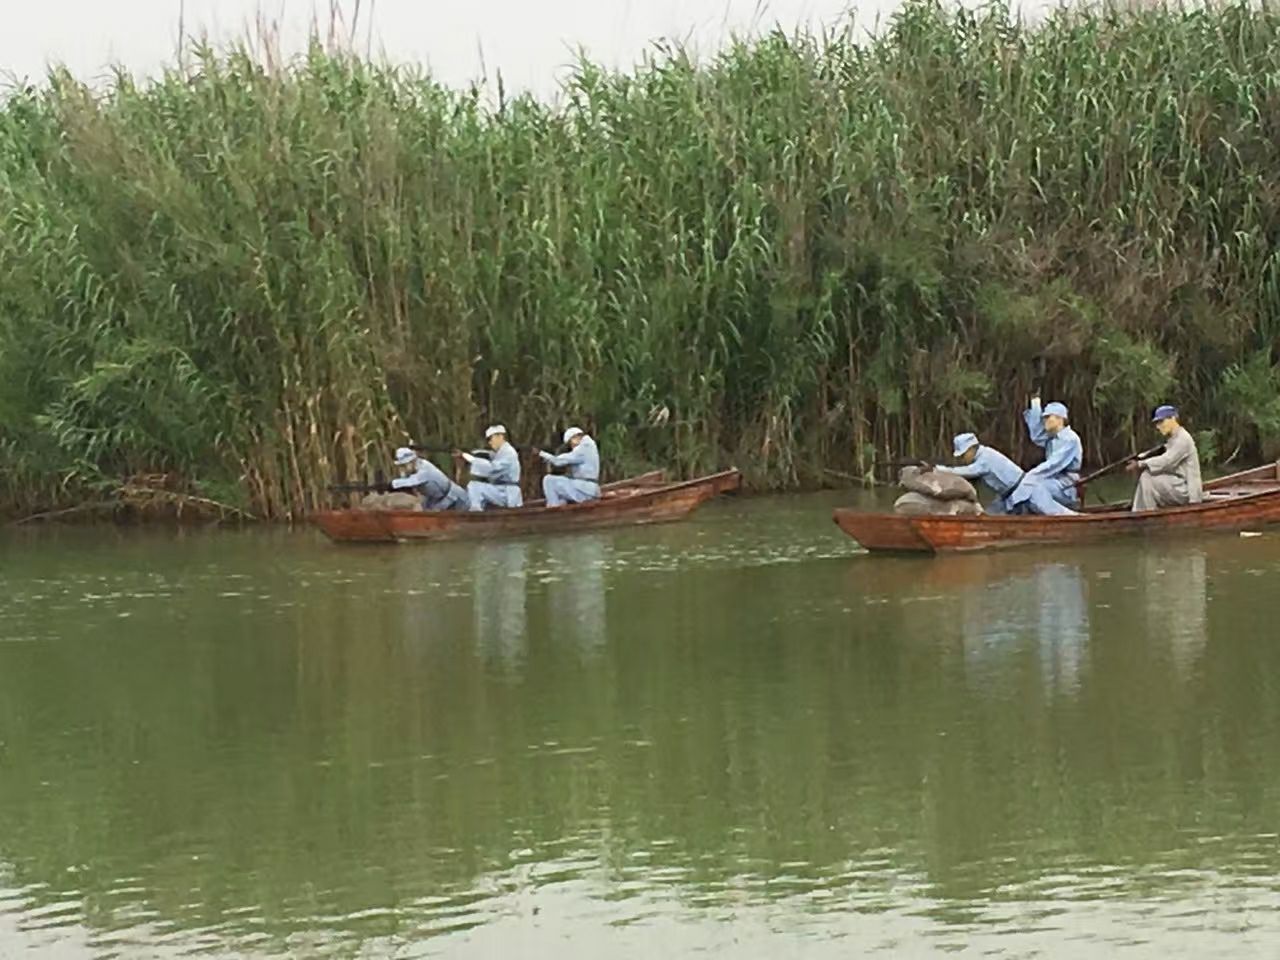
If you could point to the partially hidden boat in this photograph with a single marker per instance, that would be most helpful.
(647, 498)
(1241, 501)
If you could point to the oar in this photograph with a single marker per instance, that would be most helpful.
(1146, 454)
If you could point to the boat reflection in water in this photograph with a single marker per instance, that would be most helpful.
(576, 590)
(509, 579)
(499, 591)
(1000, 609)
(431, 751)
(1045, 609)
(1175, 602)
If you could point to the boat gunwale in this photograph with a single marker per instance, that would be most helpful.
(925, 529)
(1099, 516)
(645, 491)
(1112, 511)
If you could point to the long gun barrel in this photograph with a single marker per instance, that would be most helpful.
(361, 486)
(905, 462)
(356, 487)
(482, 454)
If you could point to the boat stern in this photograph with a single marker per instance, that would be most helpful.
(354, 526)
(885, 532)
(727, 482)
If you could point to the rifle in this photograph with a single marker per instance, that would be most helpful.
(840, 474)
(883, 464)
(905, 462)
(378, 485)
(448, 451)
(357, 488)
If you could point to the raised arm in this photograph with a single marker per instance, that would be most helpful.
(1034, 417)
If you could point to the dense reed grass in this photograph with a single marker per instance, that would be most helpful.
(256, 276)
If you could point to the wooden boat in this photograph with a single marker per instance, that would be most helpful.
(647, 498)
(1241, 501)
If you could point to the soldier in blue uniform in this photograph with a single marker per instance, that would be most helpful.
(583, 462)
(428, 482)
(496, 482)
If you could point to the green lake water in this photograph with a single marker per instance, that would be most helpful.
(739, 736)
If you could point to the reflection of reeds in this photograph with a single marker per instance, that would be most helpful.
(254, 272)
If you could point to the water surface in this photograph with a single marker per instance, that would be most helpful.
(737, 736)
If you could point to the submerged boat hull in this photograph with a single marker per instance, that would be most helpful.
(639, 500)
(1242, 501)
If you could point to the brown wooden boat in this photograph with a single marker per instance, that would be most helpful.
(1241, 501)
(647, 498)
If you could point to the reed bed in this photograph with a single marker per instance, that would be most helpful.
(252, 277)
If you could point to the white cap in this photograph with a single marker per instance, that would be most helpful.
(405, 456)
(963, 442)
(496, 428)
(571, 433)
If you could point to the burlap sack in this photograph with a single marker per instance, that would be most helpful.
(939, 486)
(918, 505)
(390, 501)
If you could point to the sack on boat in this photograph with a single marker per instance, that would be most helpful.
(918, 505)
(939, 486)
(390, 501)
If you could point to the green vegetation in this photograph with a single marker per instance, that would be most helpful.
(252, 277)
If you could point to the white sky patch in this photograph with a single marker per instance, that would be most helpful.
(529, 42)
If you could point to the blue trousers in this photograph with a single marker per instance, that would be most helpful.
(562, 490)
(483, 495)
(1047, 498)
(455, 499)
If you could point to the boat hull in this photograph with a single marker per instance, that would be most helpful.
(639, 500)
(1243, 501)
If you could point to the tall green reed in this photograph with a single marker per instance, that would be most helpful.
(257, 276)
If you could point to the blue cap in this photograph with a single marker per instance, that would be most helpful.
(1056, 409)
(1164, 413)
(963, 442)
